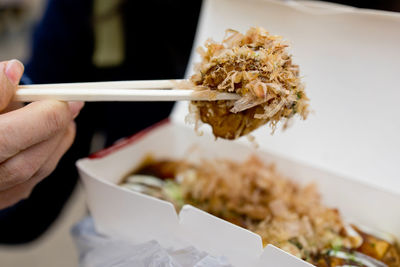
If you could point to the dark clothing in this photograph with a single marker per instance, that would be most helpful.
(158, 45)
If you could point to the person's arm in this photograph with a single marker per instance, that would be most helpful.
(33, 138)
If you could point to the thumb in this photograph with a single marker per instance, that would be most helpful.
(10, 74)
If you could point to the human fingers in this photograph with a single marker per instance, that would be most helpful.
(10, 75)
(62, 147)
(22, 190)
(25, 164)
(12, 106)
(34, 124)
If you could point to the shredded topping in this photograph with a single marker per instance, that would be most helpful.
(256, 196)
(256, 66)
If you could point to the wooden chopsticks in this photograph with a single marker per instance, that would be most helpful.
(154, 90)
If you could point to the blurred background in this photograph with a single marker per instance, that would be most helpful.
(17, 18)
(55, 248)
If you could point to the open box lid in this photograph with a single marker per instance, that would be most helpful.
(350, 60)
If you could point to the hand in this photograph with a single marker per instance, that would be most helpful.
(32, 138)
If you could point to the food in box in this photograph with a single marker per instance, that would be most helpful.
(255, 196)
(143, 218)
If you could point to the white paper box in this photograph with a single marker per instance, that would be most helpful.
(349, 147)
(126, 214)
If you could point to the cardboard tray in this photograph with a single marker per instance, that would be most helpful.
(350, 147)
(125, 214)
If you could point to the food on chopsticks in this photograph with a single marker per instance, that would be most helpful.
(256, 196)
(257, 66)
